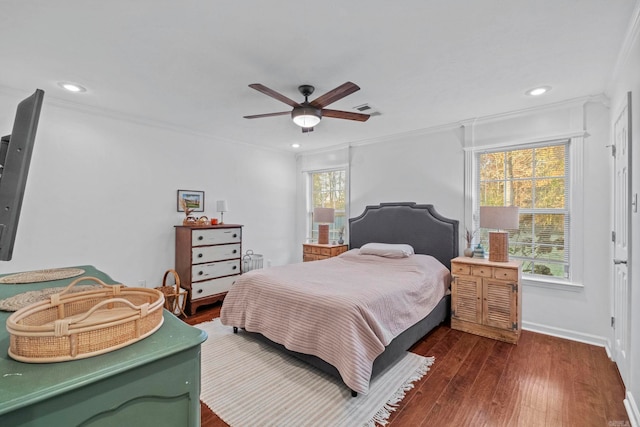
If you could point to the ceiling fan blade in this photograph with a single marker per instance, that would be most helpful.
(334, 95)
(272, 93)
(257, 116)
(348, 115)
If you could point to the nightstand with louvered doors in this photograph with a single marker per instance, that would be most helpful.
(486, 298)
(208, 261)
(315, 251)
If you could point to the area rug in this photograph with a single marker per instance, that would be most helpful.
(249, 383)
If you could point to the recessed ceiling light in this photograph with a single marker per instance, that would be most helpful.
(538, 91)
(295, 145)
(72, 87)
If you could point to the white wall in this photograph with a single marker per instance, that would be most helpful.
(627, 78)
(425, 168)
(430, 168)
(578, 312)
(102, 191)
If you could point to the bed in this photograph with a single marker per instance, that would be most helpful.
(266, 302)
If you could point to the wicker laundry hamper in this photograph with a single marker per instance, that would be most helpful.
(175, 298)
(69, 326)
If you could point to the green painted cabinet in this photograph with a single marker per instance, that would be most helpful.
(154, 382)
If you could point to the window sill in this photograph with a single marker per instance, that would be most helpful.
(557, 284)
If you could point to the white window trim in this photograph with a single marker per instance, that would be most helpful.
(308, 202)
(576, 205)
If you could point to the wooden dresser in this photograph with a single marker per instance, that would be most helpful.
(315, 252)
(486, 298)
(153, 382)
(208, 261)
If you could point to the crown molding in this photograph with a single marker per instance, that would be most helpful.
(569, 103)
(134, 119)
(471, 122)
(632, 35)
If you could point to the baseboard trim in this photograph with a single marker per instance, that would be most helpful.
(567, 334)
(632, 410)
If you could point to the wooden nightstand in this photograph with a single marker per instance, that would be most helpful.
(486, 298)
(315, 252)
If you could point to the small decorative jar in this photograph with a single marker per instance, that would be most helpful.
(478, 252)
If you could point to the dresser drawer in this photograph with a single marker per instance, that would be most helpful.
(505, 274)
(325, 251)
(212, 287)
(215, 269)
(215, 236)
(481, 271)
(202, 254)
(460, 269)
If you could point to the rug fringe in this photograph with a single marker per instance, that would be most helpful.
(382, 416)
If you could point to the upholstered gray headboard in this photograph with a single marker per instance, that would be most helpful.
(417, 225)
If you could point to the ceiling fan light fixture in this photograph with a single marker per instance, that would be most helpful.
(306, 117)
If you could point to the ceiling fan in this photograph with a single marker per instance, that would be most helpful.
(308, 114)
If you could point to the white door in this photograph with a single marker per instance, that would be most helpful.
(621, 238)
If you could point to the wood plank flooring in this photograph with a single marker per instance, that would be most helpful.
(476, 381)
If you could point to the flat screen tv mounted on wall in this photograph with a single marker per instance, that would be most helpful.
(15, 158)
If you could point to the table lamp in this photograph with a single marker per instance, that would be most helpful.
(221, 206)
(324, 217)
(499, 218)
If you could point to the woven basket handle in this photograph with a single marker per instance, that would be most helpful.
(176, 277)
(55, 298)
(61, 326)
(81, 279)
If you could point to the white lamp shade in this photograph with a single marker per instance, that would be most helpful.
(221, 206)
(323, 215)
(500, 217)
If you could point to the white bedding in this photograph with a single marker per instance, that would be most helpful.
(344, 310)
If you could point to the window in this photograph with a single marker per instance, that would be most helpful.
(536, 179)
(327, 189)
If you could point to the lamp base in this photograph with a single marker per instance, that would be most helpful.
(499, 246)
(323, 234)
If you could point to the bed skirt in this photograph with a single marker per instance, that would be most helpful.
(393, 351)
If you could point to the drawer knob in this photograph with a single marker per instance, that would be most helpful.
(235, 251)
(200, 273)
(200, 237)
(199, 255)
(235, 267)
(199, 291)
(235, 235)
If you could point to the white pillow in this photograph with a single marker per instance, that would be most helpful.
(387, 250)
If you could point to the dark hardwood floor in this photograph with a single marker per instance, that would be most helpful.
(476, 381)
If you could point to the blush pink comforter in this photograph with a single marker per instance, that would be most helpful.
(344, 310)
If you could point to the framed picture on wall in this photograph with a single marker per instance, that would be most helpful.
(192, 200)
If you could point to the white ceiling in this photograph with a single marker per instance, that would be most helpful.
(420, 63)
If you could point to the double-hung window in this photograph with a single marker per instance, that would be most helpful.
(327, 189)
(535, 178)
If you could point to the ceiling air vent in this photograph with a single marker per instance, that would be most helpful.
(367, 109)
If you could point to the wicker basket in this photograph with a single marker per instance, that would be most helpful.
(175, 298)
(251, 261)
(191, 221)
(72, 326)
